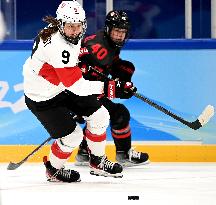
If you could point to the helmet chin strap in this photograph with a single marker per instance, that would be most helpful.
(71, 39)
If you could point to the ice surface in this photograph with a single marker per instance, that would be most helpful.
(156, 183)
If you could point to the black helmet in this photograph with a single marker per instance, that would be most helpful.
(117, 19)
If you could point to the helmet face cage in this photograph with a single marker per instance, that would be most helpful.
(117, 19)
(73, 40)
(71, 12)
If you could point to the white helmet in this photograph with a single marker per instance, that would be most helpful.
(71, 12)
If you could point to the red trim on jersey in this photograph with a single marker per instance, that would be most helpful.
(69, 75)
(94, 137)
(56, 150)
(89, 38)
(126, 69)
(48, 72)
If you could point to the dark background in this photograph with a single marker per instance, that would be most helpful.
(150, 18)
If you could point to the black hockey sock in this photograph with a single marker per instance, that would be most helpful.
(122, 138)
(122, 144)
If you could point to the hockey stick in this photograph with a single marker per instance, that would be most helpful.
(203, 118)
(13, 166)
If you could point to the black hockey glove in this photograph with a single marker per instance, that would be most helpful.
(129, 90)
(119, 89)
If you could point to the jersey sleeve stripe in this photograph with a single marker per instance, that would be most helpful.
(48, 72)
(69, 75)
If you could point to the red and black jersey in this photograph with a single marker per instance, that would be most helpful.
(103, 57)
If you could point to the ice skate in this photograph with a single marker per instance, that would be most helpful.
(132, 158)
(101, 166)
(60, 175)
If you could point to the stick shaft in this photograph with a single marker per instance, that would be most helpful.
(36, 149)
(13, 165)
(162, 109)
(194, 125)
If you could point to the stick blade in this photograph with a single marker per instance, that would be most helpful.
(13, 166)
(206, 115)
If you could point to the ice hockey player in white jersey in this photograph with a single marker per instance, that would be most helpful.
(54, 88)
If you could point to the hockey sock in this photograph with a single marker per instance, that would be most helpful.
(96, 143)
(122, 138)
(59, 154)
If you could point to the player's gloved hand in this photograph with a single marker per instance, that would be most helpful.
(88, 72)
(119, 89)
(129, 90)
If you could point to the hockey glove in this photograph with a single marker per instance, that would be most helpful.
(129, 90)
(119, 89)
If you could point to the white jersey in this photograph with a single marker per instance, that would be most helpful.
(52, 68)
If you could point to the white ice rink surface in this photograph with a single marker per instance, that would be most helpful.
(156, 183)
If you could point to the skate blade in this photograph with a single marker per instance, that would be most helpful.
(85, 164)
(105, 174)
(131, 164)
(54, 180)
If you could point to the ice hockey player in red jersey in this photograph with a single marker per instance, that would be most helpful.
(54, 88)
(104, 49)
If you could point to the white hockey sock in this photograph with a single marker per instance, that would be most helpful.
(62, 148)
(59, 154)
(96, 143)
